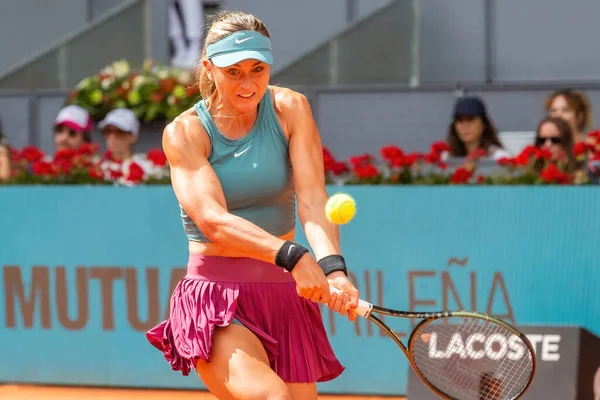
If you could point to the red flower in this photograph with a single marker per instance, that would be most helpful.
(477, 154)
(365, 159)
(545, 154)
(410, 159)
(461, 176)
(63, 165)
(64, 154)
(433, 157)
(481, 179)
(157, 97)
(82, 161)
(158, 157)
(506, 161)
(530, 150)
(551, 174)
(594, 135)
(95, 173)
(115, 174)
(527, 154)
(15, 156)
(43, 168)
(88, 149)
(580, 148)
(32, 154)
(108, 157)
(167, 85)
(397, 162)
(327, 157)
(136, 173)
(414, 157)
(521, 160)
(365, 171)
(390, 153)
(439, 147)
(338, 168)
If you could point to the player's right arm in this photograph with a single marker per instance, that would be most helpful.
(198, 190)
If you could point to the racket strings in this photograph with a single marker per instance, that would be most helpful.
(471, 358)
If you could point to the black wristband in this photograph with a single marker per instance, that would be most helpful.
(332, 263)
(289, 254)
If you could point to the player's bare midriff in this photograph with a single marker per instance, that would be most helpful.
(214, 249)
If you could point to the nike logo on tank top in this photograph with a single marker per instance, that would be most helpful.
(255, 173)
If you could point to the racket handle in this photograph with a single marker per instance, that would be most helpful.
(364, 307)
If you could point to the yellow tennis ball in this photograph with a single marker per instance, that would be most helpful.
(340, 208)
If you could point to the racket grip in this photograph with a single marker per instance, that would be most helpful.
(364, 307)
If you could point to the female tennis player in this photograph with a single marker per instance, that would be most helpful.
(247, 315)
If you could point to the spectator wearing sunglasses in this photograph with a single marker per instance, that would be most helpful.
(555, 135)
(72, 128)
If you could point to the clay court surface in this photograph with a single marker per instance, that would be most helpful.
(14, 392)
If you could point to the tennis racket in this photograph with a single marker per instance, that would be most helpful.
(463, 355)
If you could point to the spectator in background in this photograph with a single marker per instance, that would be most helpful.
(72, 128)
(5, 163)
(186, 18)
(472, 129)
(555, 135)
(574, 107)
(121, 129)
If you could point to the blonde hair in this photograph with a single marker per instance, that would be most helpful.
(224, 24)
(580, 105)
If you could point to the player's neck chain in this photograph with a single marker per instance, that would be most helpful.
(229, 116)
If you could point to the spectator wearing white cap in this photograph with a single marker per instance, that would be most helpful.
(121, 129)
(72, 128)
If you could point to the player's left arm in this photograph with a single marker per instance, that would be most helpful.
(306, 154)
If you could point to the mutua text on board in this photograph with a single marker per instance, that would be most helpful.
(495, 346)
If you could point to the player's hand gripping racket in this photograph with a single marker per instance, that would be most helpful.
(463, 355)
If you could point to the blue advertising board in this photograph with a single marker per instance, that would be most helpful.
(87, 270)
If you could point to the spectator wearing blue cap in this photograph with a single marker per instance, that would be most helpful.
(472, 129)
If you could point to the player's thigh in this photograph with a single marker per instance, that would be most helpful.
(239, 368)
(303, 391)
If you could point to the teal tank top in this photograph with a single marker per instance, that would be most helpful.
(255, 173)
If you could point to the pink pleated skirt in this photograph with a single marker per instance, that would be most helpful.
(260, 296)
